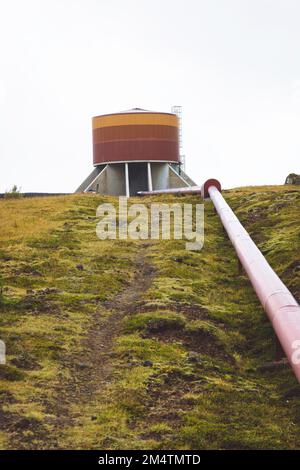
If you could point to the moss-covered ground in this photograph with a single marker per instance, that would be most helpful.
(141, 344)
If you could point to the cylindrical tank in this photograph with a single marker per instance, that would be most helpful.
(136, 135)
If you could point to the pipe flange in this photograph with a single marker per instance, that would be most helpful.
(207, 184)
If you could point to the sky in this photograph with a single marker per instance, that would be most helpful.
(233, 66)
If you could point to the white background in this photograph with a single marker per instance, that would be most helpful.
(233, 65)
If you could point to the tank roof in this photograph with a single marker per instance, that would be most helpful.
(135, 111)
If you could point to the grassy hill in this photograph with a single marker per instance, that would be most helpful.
(142, 344)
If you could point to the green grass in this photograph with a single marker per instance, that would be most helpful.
(185, 362)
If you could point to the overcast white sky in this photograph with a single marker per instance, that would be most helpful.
(233, 65)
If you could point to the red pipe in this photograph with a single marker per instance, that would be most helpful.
(277, 301)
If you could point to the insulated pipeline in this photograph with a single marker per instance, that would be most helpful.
(277, 301)
(186, 190)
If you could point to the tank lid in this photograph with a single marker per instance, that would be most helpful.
(136, 110)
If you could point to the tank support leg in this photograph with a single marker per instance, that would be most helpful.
(127, 180)
(150, 187)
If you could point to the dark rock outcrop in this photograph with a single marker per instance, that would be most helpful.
(292, 178)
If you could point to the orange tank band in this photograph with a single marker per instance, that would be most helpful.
(135, 119)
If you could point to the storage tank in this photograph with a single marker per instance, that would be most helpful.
(135, 135)
(135, 150)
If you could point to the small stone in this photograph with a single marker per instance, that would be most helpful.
(82, 365)
(193, 357)
(147, 363)
(112, 354)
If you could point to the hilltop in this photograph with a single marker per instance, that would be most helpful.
(142, 344)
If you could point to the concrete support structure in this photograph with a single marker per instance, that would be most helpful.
(129, 178)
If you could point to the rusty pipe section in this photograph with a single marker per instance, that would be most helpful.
(187, 190)
(277, 301)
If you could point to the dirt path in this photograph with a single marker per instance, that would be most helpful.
(93, 369)
(90, 369)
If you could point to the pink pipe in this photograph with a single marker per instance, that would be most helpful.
(277, 301)
(187, 190)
